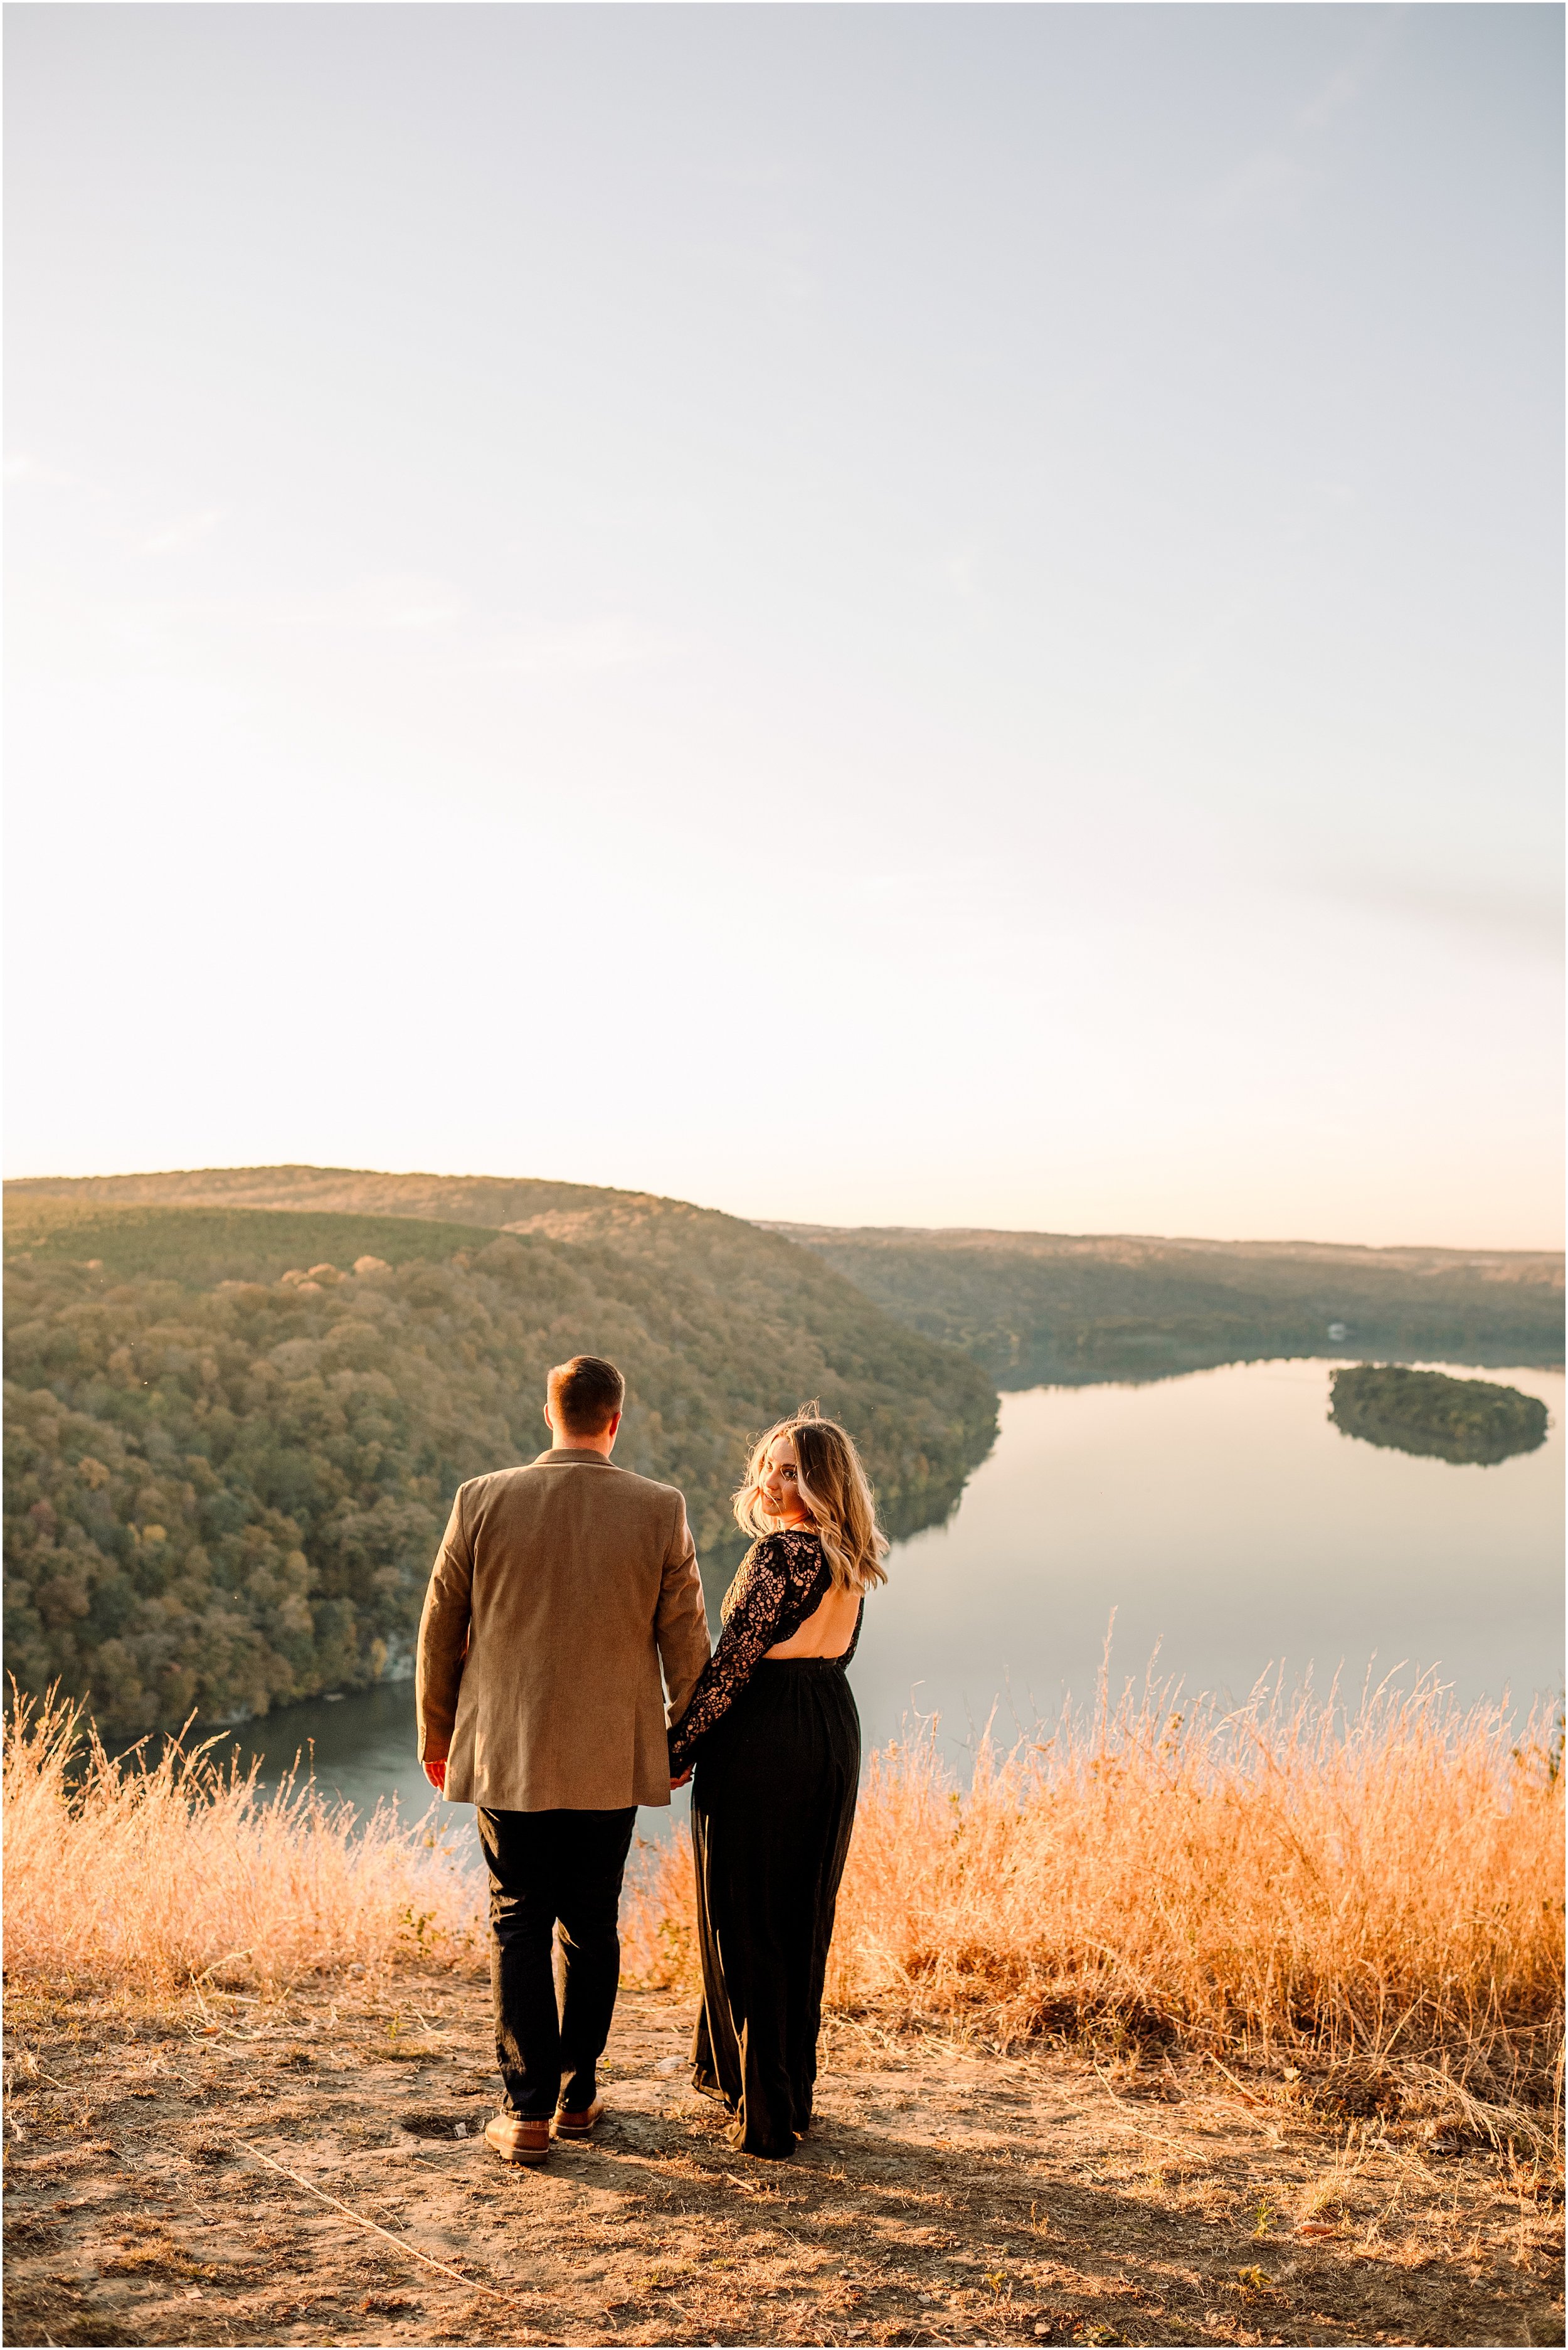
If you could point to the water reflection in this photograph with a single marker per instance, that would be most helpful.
(1221, 1514)
(1230, 1524)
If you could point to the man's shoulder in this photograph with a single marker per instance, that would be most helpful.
(498, 1484)
(667, 1497)
(492, 1481)
(497, 1489)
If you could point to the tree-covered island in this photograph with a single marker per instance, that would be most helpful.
(1474, 1420)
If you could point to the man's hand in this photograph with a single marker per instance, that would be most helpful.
(685, 1775)
(435, 1772)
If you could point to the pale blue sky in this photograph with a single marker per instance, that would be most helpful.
(922, 615)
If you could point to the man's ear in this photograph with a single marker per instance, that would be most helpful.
(548, 1422)
(615, 1423)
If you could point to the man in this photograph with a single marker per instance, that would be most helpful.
(557, 1592)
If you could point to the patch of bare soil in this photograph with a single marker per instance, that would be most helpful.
(222, 2176)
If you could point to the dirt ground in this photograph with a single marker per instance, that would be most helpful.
(167, 2178)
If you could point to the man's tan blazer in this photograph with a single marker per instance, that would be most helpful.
(557, 1592)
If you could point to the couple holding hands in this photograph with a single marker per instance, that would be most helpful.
(558, 1593)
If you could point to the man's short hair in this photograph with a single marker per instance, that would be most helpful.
(586, 1395)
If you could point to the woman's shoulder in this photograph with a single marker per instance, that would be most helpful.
(793, 1552)
(770, 1553)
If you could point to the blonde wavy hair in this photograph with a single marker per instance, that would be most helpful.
(834, 1487)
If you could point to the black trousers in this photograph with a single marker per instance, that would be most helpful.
(773, 1805)
(544, 1868)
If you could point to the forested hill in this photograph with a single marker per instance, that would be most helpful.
(1036, 1307)
(234, 1430)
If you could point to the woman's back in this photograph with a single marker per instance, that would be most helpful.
(827, 1631)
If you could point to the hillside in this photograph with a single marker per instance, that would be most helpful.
(233, 1431)
(490, 1199)
(1037, 1307)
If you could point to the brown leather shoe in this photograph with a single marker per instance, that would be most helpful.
(517, 2140)
(579, 2125)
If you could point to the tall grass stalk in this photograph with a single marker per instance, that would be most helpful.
(150, 1874)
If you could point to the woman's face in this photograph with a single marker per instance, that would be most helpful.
(781, 1486)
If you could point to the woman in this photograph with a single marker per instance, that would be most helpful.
(773, 1728)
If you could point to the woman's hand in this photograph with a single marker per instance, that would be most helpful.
(681, 1782)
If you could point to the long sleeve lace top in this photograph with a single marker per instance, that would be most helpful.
(782, 1579)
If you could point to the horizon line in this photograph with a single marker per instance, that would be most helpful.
(783, 1225)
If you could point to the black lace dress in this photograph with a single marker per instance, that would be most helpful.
(776, 1746)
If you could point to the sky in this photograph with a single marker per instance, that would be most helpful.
(905, 615)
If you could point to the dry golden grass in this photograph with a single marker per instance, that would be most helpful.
(1378, 1897)
(1374, 1902)
(160, 1873)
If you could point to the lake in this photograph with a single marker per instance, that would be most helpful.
(1221, 1514)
